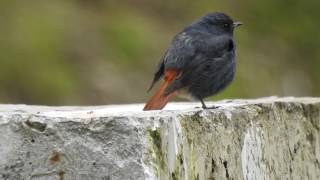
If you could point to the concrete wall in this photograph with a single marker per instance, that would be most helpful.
(270, 138)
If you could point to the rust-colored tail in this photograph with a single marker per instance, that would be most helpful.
(160, 99)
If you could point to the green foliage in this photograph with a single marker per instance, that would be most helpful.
(100, 52)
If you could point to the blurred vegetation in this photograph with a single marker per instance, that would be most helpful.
(105, 51)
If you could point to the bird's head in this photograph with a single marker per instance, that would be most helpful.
(218, 23)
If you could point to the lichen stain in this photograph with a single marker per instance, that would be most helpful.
(174, 176)
(157, 143)
(225, 164)
(36, 125)
(55, 158)
(61, 175)
(192, 126)
(213, 166)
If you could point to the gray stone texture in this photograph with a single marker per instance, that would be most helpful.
(267, 138)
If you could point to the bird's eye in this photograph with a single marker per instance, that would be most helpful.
(226, 25)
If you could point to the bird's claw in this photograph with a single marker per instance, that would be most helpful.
(212, 107)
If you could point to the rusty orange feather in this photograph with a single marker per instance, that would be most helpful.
(160, 99)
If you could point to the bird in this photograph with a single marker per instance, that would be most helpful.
(199, 62)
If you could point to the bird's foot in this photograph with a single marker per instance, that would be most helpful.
(206, 107)
(212, 107)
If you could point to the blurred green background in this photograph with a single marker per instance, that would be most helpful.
(82, 52)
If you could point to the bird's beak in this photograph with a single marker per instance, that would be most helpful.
(236, 24)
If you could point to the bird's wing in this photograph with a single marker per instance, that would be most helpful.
(188, 50)
(181, 51)
(208, 49)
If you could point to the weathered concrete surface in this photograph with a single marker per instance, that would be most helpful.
(270, 138)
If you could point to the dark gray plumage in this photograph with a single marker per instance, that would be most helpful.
(204, 55)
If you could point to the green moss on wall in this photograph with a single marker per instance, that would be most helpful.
(155, 137)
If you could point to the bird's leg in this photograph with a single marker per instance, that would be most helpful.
(203, 104)
(205, 107)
